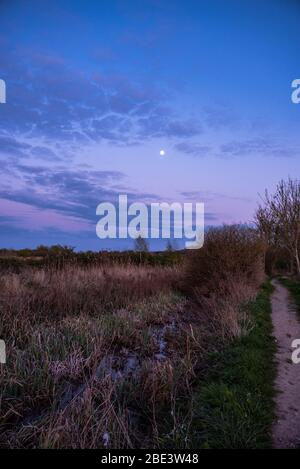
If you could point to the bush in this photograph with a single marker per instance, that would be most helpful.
(229, 252)
(224, 275)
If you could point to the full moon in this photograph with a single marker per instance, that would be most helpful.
(162, 152)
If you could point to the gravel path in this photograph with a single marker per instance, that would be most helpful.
(286, 430)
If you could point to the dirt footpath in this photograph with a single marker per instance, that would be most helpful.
(286, 430)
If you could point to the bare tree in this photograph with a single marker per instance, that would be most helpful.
(140, 244)
(279, 218)
(171, 245)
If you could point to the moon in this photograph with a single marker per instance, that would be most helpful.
(162, 152)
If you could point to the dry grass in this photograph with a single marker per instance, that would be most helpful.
(101, 356)
(59, 327)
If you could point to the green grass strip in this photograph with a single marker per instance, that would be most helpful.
(234, 407)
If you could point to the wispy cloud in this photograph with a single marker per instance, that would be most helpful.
(193, 149)
(262, 146)
(51, 100)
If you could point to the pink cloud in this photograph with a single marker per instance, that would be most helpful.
(34, 218)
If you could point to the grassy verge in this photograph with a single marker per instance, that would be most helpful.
(294, 288)
(234, 407)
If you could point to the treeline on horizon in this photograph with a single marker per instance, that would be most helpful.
(277, 253)
(276, 226)
(59, 256)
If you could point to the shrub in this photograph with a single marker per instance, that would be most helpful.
(230, 252)
(223, 275)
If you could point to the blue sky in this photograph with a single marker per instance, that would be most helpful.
(95, 90)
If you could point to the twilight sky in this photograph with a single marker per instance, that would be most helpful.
(95, 89)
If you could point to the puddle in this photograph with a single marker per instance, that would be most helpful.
(106, 439)
(118, 367)
(159, 335)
